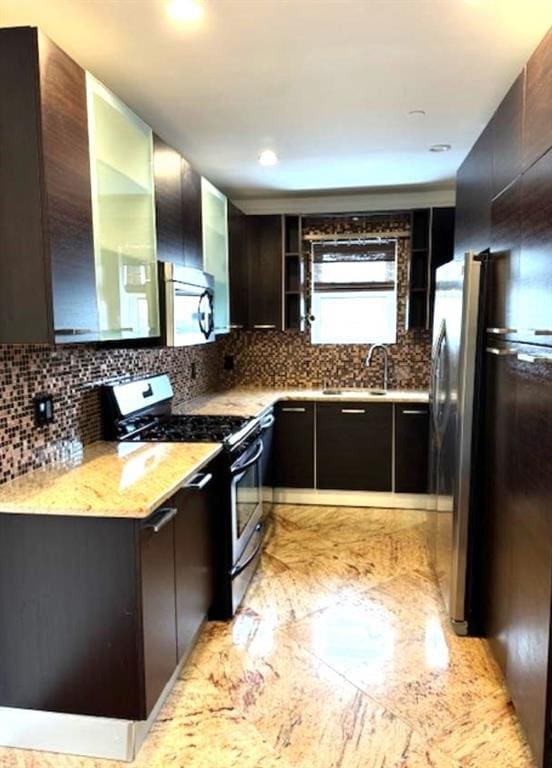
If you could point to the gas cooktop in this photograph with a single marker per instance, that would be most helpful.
(184, 429)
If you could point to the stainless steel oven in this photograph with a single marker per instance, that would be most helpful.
(188, 301)
(246, 497)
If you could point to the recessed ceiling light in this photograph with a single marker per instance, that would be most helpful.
(186, 10)
(417, 113)
(268, 157)
(440, 148)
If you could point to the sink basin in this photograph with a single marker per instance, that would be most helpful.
(380, 392)
(332, 391)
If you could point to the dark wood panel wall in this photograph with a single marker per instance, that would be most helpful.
(504, 204)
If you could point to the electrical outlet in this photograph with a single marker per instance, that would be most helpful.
(193, 371)
(229, 362)
(43, 410)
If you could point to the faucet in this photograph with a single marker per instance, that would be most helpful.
(385, 360)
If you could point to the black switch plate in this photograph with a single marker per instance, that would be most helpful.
(43, 410)
(228, 362)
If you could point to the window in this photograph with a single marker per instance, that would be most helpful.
(354, 292)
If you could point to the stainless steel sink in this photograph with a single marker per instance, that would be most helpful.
(379, 392)
(332, 391)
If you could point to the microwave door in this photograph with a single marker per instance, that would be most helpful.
(186, 316)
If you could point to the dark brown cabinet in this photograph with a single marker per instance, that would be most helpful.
(506, 129)
(193, 548)
(474, 193)
(265, 260)
(169, 219)
(519, 534)
(157, 577)
(411, 448)
(47, 273)
(99, 610)
(505, 261)
(238, 267)
(432, 241)
(533, 289)
(537, 128)
(294, 445)
(354, 446)
(191, 215)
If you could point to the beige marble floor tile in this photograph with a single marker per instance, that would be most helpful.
(451, 681)
(354, 518)
(288, 594)
(489, 735)
(305, 710)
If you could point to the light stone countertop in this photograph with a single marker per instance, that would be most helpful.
(128, 480)
(252, 402)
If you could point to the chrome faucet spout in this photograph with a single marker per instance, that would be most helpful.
(385, 361)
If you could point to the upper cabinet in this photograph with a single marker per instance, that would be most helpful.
(123, 207)
(537, 128)
(169, 218)
(238, 268)
(192, 216)
(214, 207)
(506, 128)
(474, 193)
(265, 258)
(47, 283)
(432, 244)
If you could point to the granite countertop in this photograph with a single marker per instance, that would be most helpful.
(127, 480)
(252, 402)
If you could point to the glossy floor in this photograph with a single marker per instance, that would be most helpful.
(341, 658)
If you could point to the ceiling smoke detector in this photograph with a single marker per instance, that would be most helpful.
(440, 148)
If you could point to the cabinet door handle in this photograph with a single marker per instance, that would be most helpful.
(540, 331)
(526, 358)
(199, 482)
(264, 327)
(500, 352)
(353, 410)
(235, 326)
(501, 331)
(414, 413)
(166, 515)
(293, 410)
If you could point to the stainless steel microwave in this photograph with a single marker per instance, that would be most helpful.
(189, 301)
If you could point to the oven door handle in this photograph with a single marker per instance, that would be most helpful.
(240, 567)
(239, 467)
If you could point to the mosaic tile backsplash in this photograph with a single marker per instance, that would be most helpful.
(275, 359)
(72, 374)
(288, 359)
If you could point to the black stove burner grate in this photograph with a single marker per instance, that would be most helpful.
(185, 429)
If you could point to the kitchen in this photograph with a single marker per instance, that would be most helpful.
(274, 425)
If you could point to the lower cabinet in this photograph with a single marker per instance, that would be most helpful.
(294, 445)
(100, 610)
(193, 548)
(354, 446)
(411, 448)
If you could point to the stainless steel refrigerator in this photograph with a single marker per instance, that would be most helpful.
(454, 407)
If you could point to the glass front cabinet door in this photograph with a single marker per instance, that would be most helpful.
(214, 213)
(123, 211)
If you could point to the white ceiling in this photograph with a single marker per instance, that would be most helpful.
(326, 83)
